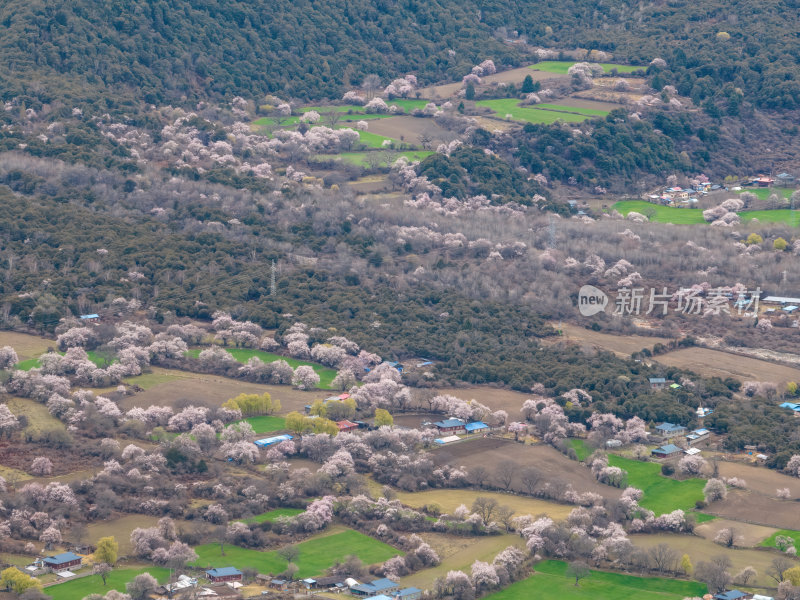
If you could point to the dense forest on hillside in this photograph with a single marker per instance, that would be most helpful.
(165, 50)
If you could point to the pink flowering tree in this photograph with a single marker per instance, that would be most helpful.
(41, 466)
(305, 378)
(8, 357)
(793, 466)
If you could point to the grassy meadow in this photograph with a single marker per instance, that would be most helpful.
(533, 114)
(694, 216)
(242, 355)
(271, 515)
(266, 423)
(560, 67)
(770, 541)
(316, 554)
(550, 582)
(661, 494)
(93, 584)
(363, 158)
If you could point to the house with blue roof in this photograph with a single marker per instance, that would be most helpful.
(476, 427)
(669, 430)
(376, 587)
(265, 442)
(224, 574)
(665, 451)
(410, 593)
(793, 406)
(451, 426)
(63, 561)
(658, 383)
(733, 595)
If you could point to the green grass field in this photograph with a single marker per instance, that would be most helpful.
(326, 375)
(316, 554)
(529, 114)
(770, 541)
(266, 423)
(581, 449)
(560, 67)
(31, 363)
(360, 158)
(589, 112)
(694, 216)
(93, 584)
(373, 140)
(661, 214)
(550, 582)
(661, 494)
(764, 193)
(274, 514)
(781, 215)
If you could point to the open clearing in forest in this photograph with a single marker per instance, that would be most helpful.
(761, 480)
(515, 76)
(458, 553)
(561, 67)
(553, 466)
(26, 346)
(183, 387)
(449, 500)
(379, 157)
(623, 345)
(534, 114)
(551, 582)
(93, 584)
(747, 505)
(316, 554)
(582, 103)
(409, 129)
(700, 549)
(709, 363)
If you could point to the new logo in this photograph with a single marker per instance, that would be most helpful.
(591, 300)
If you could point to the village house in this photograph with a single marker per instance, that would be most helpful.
(670, 430)
(62, 562)
(346, 426)
(224, 574)
(697, 435)
(792, 406)
(666, 451)
(733, 595)
(375, 588)
(279, 584)
(476, 427)
(657, 383)
(451, 426)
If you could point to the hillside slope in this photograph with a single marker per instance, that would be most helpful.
(162, 50)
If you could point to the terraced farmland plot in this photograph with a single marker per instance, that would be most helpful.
(560, 67)
(533, 114)
(551, 582)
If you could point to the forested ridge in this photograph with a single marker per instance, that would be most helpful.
(169, 49)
